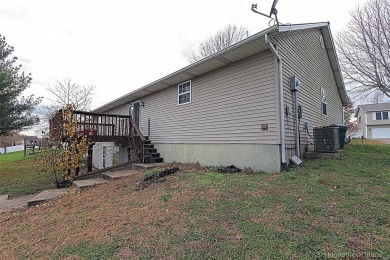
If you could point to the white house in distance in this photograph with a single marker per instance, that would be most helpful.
(373, 120)
(238, 105)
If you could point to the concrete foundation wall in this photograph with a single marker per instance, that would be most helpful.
(259, 157)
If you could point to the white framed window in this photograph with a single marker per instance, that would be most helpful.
(184, 92)
(381, 115)
(324, 102)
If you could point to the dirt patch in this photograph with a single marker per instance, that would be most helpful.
(273, 177)
(155, 177)
(363, 243)
(187, 167)
(228, 169)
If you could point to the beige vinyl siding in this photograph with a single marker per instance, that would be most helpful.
(120, 110)
(228, 105)
(370, 118)
(303, 57)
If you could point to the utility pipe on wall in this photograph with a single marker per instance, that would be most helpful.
(281, 101)
(294, 86)
(296, 124)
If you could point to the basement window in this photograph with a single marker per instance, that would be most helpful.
(324, 101)
(184, 92)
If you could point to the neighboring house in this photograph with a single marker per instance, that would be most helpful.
(373, 120)
(232, 108)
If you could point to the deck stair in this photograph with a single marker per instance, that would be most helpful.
(150, 152)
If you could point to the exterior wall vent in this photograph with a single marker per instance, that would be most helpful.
(326, 139)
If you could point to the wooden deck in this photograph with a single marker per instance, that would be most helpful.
(100, 128)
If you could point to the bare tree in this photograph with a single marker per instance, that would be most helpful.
(66, 92)
(376, 98)
(10, 140)
(219, 41)
(364, 49)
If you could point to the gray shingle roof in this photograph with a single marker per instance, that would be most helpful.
(375, 107)
(245, 48)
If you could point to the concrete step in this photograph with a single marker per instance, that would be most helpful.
(14, 203)
(147, 142)
(317, 155)
(46, 195)
(117, 175)
(82, 184)
(147, 166)
(153, 160)
(148, 146)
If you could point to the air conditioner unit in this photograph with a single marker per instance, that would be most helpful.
(326, 139)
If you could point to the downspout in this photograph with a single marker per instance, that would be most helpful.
(296, 123)
(281, 101)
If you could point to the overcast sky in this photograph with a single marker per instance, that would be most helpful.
(120, 45)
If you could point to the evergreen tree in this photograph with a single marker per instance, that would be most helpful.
(16, 111)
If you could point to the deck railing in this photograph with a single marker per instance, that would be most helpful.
(101, 128)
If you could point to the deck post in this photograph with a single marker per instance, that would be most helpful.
(89, 160)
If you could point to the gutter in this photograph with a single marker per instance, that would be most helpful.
(281, 102)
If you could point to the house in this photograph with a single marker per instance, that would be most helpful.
(373, 120)
(254, 104)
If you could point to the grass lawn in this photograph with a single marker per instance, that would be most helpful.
(20, 175)
(326, 209)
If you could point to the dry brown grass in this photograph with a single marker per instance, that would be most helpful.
(338, 206)
(98, 214)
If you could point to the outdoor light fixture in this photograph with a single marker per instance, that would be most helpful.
(142, 104)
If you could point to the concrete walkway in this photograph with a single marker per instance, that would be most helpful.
(45, 196)
(117, 175)
(82, 184)
(7, 204)
(16, 203)
(147, 166)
